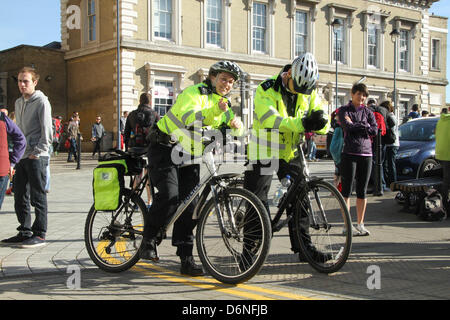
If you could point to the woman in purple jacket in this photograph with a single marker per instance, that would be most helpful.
(359, 125)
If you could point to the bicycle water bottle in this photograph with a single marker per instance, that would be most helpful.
(282, 189)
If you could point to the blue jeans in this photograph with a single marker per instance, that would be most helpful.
(72, 149)
(311, 150)
(29, 190)
(4, 182)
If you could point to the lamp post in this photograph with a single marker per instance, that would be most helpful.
(395, 34)
(118, 73)
(336, 24)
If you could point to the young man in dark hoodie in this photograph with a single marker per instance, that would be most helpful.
(34, 119)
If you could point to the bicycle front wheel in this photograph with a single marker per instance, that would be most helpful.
(113, 238)
(323, 227)
(233, 236)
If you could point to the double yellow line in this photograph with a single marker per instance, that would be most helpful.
(240, 290)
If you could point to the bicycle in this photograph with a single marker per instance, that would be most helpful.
(113, 238)
(322, 204)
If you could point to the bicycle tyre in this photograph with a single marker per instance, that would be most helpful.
(329, 234)
(99, 231)
(243, 260)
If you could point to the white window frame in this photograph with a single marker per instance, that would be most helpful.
(375, 46)
(405, 50)
(373, 18)
(435, 56)
(270, 23)
(86, 42)
(305, 35)
(262, 27)
(165, 72)
(175, 23)
(154, 96)
(225, 26)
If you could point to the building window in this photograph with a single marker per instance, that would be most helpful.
(404, 51)
(373, 45)
(301, 33)
(339, 43)
(435, 54)
(214, 22)
(92, 27)
(162, 19)
(259, 27)
(163, 95)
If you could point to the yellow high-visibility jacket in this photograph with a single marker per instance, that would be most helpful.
(275, 134)
(195, 108)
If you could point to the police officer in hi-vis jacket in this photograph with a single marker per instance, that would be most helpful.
(286, 106)
(179, 131)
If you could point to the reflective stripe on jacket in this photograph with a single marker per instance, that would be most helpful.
(196, 107)
(275, 134)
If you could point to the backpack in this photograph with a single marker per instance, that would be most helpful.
(380, 122)
(144, 121)
(390, 136)
(56, 127)
(431, 206)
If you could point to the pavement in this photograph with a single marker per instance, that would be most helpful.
(403, 258)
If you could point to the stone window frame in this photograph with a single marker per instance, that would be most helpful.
(176, 24)
(165, 72)
(379, 19)
(410, 25)
(347, 14)
(85, 42)
(439, 54)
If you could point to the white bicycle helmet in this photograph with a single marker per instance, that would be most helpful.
(226, 66)
(305, 73)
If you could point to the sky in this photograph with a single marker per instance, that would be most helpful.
(38, 22)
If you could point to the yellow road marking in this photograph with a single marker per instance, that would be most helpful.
(216, 285)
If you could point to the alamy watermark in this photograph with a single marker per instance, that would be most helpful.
(374, 280)
(74, 280)
(73, 17)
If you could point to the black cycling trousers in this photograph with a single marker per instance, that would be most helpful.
(173, 184)
(258, 181)
(357, 168)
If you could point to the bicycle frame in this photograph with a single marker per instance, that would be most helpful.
(293, 191)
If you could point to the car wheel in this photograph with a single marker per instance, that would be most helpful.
(427, 165)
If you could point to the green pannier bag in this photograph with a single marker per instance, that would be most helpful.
(108, 185)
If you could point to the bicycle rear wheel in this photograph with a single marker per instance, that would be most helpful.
(323, 226)
(236, 252)
(113, 238)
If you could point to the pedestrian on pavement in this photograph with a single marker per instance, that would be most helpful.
(123, 121)
(286, 106)
(9, 132)
(336, 147)
(34, 118)
(425, 114)
(443, 154)
(57, 133)
(390, 170)
(196, 107)
(137, 128)
(359, 125)
(98, 132)
(73, 129)
(311, 146)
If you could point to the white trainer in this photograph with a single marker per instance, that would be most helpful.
(355, 232)
(362, 230)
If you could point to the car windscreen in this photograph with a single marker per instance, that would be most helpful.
(417, 131)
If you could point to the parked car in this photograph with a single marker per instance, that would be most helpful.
(417, 148)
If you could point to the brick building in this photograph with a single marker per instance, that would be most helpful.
(167, 45)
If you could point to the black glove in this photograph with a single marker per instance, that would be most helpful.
(316, 121)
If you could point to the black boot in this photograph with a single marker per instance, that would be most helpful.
(189, 268)
(316, 255)
(148, 250)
